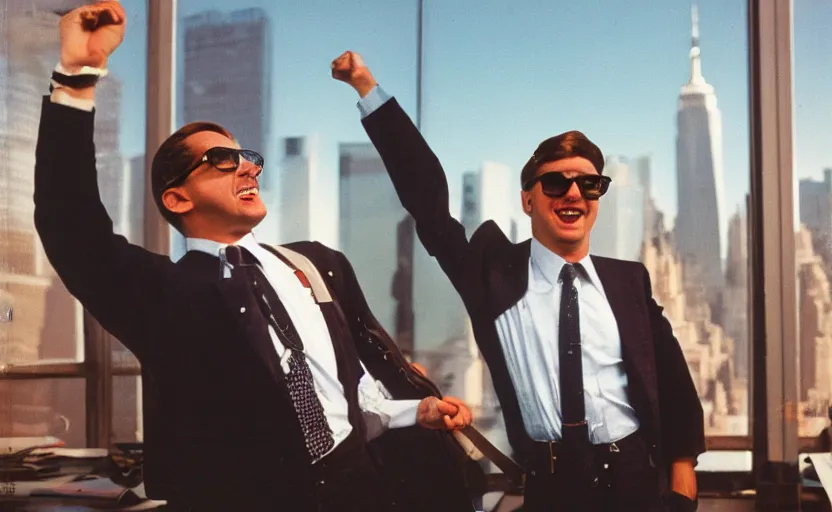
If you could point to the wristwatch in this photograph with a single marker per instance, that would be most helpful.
(86, 77)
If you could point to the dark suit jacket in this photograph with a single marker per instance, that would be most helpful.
(491, 275)
(221, 431)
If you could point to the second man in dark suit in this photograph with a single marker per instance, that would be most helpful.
(598, 400)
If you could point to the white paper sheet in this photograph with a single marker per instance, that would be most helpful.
(823, 465)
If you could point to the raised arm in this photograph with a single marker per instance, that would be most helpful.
(113, 279)
(414, 169)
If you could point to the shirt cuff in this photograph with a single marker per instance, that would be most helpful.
(372, 101)
(392, 413)
(63, 98)
(402, 413)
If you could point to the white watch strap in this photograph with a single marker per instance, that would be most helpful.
(86, 70)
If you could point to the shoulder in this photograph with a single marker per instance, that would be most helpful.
(611, 270)
(321, 255)
(627, 266)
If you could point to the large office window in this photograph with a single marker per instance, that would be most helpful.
(812, 111)
(662, 90)
(261, 69)
(41, 325)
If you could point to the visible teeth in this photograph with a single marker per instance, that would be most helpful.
(252, 190)
(569, 212)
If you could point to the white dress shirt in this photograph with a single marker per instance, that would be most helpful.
(528, 335)
(379, 410)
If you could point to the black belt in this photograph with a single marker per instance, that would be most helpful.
(543, 455)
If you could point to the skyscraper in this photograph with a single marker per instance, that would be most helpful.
(619, 228)
(735, 313)
(227, 75)
(488, 194)
(305, 211)
(370, 214)
(815, 201)
(699, 177)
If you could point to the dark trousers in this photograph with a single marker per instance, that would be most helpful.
(347, 480)
(622, 477)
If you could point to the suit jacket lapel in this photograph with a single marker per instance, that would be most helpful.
(241, 303)
(636, 345)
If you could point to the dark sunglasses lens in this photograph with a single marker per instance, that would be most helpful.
(224, 159)
(252, 156)
(555, 184)
(592, 187)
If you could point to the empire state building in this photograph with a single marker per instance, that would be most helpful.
(699, 178)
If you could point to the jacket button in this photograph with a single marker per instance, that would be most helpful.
(243, 309)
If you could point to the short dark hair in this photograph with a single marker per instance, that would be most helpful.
(565, 145)
(172, 158)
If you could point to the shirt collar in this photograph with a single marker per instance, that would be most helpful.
(213, 248)
(546, 267)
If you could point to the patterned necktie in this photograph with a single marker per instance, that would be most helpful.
(316, 430)
(573, 410)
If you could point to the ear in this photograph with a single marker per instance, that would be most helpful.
(177, 200)
(526, 198)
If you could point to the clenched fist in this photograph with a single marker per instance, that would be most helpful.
(349, 67)
(89, 34)
(448, 413)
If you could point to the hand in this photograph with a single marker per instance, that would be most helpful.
(349, 67)
(89, 34)
(449, 413)
(683, 478)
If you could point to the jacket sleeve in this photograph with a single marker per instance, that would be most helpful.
(682, 419)
(119, 283)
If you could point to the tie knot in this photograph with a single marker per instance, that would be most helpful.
(569, 272)
(237, 255)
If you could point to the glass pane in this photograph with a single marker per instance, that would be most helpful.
(127, 409)
(47, 407)
(261, 70)
(812, 108)
(30, 293)
(669, 112)
(46, 322)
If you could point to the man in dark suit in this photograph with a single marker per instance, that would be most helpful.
(265, 373)
(598, 401)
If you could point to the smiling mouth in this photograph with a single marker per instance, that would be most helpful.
(248, 194)
(569, 215)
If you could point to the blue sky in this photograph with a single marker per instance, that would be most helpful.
(500, 76)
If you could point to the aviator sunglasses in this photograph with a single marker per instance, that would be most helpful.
(555, 184)
(223, 160)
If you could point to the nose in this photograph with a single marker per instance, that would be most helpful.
(249, 169)
(574, 192)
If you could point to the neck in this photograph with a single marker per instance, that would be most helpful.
(221, 237)
(572, 252)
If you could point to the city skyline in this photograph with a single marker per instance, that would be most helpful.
(641, 60)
